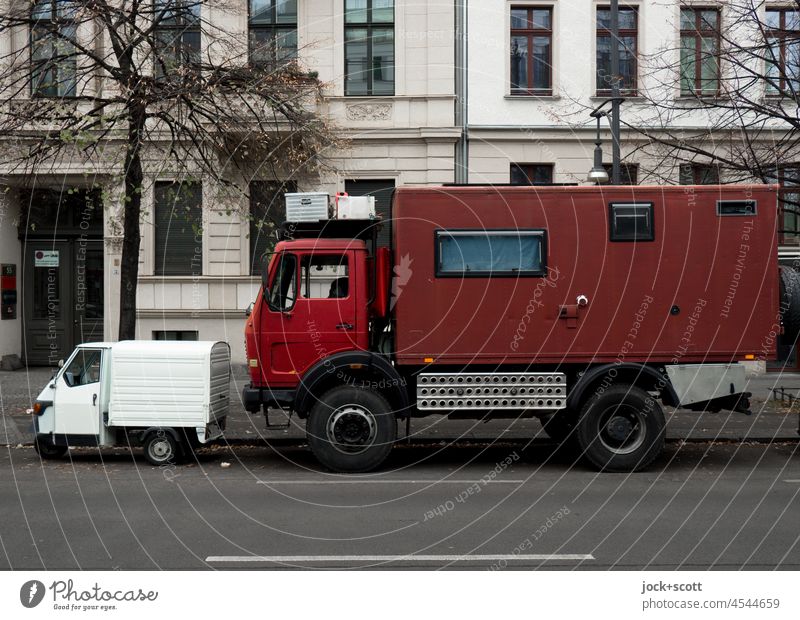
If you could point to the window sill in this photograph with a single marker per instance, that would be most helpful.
(633, 97)
(700, 99)
(550, 97)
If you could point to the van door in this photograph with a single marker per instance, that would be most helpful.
(77, 395)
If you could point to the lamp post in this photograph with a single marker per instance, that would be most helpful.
(615, 96)
(598, 173)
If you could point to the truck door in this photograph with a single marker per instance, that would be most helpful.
(311, 312)
(77, 394)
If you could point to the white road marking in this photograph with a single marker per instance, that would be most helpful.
(287, 559)
(791, 480)
(389, 481)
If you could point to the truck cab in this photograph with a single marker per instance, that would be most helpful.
(315, 304)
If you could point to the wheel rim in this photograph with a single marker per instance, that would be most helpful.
(161, 449)
(622, 429)
(351, 429)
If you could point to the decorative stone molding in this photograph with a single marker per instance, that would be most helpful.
(113, 244)
(369, 111)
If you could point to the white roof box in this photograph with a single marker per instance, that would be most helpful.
(306, 207)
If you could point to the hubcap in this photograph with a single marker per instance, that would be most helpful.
(622, 429)
(161, 449)
(351, 429)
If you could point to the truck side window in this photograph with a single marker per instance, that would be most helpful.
(487, 253)
(284, 285)
(324, 277)
(629, 221)
(84, 368)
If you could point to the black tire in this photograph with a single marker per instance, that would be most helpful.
(559, 426)
(621, 429)
(47, 450)
(790, 305)
(160, 448)
(351, 429)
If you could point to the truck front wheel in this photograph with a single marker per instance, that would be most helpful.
(621, 429)
(351, 429)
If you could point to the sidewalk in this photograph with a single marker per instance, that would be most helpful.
(771, 419)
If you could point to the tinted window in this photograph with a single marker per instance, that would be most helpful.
(631, 222)
(490, 253)
(736, 207)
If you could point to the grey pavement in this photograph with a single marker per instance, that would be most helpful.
(772, 420)
(699, 506)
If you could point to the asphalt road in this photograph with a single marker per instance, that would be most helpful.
(703, 505)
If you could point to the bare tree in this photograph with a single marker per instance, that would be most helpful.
(726, 93)
(138, 86)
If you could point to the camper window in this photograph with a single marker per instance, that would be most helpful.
(631, 221)
(490, 253)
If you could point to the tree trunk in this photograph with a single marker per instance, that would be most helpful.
(129, 270)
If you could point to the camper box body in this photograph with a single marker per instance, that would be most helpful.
(702, 288)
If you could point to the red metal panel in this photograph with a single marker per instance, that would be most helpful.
(720, 274)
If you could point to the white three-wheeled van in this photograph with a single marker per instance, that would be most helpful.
(168, 397)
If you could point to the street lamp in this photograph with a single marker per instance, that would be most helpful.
(598, 173)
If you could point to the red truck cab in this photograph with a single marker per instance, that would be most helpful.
(316, 305)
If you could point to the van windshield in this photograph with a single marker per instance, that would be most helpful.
(84, 368)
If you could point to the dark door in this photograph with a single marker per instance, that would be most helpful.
(88, 294)
(47, 302)
(382, 190)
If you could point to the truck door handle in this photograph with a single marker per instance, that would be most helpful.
(94, 399)
(344, 326)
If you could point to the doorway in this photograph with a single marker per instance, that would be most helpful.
(62, 274)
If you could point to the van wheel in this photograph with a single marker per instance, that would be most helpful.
(47, 450)
(160, 448)
(621, 429)
(351, 429)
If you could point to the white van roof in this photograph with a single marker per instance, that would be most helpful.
(189, 347)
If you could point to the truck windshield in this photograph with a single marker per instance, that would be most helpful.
(284, 285)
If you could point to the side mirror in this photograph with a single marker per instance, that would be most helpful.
(249, 310)
(61, 363)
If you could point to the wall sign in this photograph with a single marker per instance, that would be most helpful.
(8, 292)
(45, 258)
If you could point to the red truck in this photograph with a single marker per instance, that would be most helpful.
(583, 306)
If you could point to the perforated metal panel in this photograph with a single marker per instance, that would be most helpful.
(523, 390)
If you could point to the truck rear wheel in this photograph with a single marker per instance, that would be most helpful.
(351, 429)
(621, 429)
(160, 448)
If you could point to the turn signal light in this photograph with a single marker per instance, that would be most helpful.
(428, 360)
(749, 356)
(38, 408)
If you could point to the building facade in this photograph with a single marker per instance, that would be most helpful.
(387, 70)
(497, 91)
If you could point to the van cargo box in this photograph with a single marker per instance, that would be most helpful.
(169, 384)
